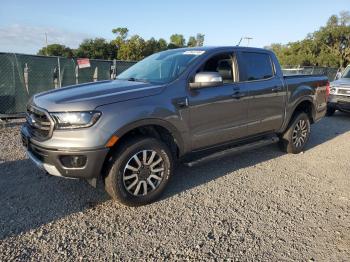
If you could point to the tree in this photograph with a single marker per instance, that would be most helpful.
(333, 21)
(328, 46)
(177, 40)
(121, 37)
(196, 41)
(162, 44)
(123, 47)
(97, 48)
(200, 39)
(192, 42)
(133, 49)
(56, 50)
(121, 32)
(344, 18)
(151, 46)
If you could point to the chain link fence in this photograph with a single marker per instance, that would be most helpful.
(22, 76)
(330, 72)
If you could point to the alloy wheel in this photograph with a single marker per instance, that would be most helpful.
(300, 133)
(143, 172)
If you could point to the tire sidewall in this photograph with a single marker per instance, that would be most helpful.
(292, 147)
(115, 175)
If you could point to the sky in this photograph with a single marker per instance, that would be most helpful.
(23, 24)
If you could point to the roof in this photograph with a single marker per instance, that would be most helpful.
(217, 48)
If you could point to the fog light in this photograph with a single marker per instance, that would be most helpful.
(73, 161)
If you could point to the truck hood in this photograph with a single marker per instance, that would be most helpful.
(342, 82)
(91, 95)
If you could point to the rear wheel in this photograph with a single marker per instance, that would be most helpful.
(139, 171)
(296, 136)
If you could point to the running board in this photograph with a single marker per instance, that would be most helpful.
(237, 149)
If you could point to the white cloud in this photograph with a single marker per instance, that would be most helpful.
(29, 39)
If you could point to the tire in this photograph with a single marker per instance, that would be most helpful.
(135, 181)
(294, 139)
(330, 111)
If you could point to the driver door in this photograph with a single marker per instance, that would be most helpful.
(218, 114)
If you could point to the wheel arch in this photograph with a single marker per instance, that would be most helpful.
(307, 106)
(303, 105)
(156, 128)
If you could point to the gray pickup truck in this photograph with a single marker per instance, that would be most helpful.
(183, 105)
(339, 98)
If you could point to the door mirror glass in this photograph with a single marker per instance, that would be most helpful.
(206, 79)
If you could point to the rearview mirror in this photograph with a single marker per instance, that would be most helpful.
(206, 79)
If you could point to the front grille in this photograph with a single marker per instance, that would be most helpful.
(39, 122)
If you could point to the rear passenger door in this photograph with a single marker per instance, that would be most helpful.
(266, 92)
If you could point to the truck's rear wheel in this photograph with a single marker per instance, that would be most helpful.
(296, 136)
(139, 171)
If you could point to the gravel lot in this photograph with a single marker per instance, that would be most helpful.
(261, 205)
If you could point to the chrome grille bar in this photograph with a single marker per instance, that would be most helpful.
(39, 122)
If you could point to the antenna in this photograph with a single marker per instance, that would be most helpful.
(245, 38)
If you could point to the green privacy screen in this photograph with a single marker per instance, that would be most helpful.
(22, 76)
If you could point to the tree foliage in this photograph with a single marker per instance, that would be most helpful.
(97, 48)
(196, 41)
(177, 40)
(328, 46)
(123, 46)
(56, 50)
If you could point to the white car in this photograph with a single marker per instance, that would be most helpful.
(339, 98)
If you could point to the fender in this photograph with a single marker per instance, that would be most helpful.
(300, 95)
(157, 122)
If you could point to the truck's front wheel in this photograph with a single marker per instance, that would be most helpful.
(139, 171)
(294, 139)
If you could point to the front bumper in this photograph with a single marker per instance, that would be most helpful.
(339, 102)
(50, 160)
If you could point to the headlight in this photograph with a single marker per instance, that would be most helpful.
(333, 90)
(70, 120)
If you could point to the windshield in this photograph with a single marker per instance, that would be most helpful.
(162, 67)
(346, 73)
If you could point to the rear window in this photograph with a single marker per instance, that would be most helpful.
(258, 66)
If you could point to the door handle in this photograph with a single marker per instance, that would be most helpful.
(276, 89)
(238, 95)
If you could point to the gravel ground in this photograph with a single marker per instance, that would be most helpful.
(259, 205)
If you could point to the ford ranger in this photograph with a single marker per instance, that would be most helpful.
(186, 105)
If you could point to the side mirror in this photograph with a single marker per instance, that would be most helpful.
(206, 79)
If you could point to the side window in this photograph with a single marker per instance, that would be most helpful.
(258, 66)
(222, 64)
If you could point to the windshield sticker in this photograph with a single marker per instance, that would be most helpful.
(194, 52)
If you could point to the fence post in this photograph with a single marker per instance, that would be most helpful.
(59, 72)
(95, 74)
(114, 69)
(76, 74)
(26, 77)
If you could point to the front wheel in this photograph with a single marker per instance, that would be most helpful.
(294, 139)
(139, 171)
